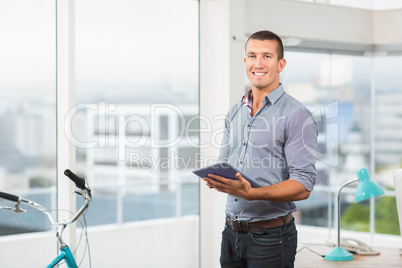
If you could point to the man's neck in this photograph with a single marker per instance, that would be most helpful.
(258, 96)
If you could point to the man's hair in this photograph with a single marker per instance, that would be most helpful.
(268, 35)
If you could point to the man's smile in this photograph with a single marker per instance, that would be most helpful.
(259, 74)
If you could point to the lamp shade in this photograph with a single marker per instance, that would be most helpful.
(366, 188)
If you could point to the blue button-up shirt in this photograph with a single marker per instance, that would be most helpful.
(278, 143)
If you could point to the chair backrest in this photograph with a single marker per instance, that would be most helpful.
(398, 194)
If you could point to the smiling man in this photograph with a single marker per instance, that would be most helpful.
(271, 137)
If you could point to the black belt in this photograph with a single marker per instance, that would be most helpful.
(258, 227)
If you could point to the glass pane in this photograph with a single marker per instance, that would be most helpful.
(388, 137)
(356, 216)
(137, 89)
(336, 89)
(27, 111)
(311, 86)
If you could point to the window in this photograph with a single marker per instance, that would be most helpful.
(387, 137)
(27, 110)
(137, 93)
(339, 90)
(137, 102)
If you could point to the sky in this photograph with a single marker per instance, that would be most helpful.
(27, 48)
(121, 45)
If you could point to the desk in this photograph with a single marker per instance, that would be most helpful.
(389, 257)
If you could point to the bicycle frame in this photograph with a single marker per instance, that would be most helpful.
(67, 256)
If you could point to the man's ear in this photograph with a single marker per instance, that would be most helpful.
(281, 65)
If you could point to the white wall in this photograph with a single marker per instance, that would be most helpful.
(387, 27)
(310, 20)
(324, 22)
(170, 243)
(119, 245)
(221, 85)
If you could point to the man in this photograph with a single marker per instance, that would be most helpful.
(271, 137)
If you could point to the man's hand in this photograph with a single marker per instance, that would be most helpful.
(284, 191)
(239, 187)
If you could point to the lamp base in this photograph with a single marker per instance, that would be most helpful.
(338, 254)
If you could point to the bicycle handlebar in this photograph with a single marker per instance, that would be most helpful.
(10, 197)
(85, 193)
(79, 182)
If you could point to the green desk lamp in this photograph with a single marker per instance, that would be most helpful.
(365, 190)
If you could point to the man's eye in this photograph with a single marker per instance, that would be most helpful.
(267, 56)
(251, 56)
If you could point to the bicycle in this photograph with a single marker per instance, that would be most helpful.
(64, 250)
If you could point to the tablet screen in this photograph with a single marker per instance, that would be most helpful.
(223, 169)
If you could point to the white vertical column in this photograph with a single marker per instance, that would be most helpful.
(221, 84)
(238, 38)
(373, 119)
(65, 102)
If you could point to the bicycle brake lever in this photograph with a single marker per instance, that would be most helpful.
(86, 194)
(77, 192)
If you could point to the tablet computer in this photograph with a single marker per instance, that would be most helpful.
(223, 169)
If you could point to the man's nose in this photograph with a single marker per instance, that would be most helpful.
(258, 62)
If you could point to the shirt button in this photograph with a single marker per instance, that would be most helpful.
(241, 162)
(236, 199)
(244, 143)
(236, 217)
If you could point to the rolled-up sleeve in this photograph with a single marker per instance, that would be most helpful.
(300, 147)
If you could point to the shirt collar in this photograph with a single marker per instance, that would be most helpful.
(276, 94)
(272, 97)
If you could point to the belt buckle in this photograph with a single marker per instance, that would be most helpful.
(238, 225)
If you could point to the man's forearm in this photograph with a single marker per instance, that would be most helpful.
(285, 191)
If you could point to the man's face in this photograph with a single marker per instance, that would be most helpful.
(262, 64)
